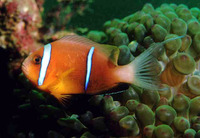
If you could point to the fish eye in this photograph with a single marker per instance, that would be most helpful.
(37, 59)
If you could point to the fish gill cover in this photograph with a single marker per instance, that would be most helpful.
(170, 112)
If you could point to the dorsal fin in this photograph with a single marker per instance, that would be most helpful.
(79, 39)
(112, 52)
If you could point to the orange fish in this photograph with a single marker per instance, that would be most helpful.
(76, 65)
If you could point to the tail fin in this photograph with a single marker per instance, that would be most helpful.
(144, 67)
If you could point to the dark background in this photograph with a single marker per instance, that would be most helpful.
(103, 10)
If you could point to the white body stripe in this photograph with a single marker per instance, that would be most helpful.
(44, 63)
(89, 67)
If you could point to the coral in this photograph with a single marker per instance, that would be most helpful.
(189, 133)
(19, 26)
(97, 36)
(181, 124)
(179, 26)
(194, 84)
(20, 20)
(150, 98)
(59, 12)
(181, 104)
(148, 131)
(158, 32)
(165, 114)
(124, 57)
(130, 126)
(176, 70)
(163, 131)
(195, 122)
(145, 115)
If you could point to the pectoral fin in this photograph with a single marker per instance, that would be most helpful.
(60, 87)
(59, 91)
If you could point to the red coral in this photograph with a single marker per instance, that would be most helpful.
(25, 41)
(1, 3)
(11, 7)
(40, 4)
(26, 17)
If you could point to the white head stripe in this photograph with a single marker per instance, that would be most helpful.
(44, 63)
(89, 67)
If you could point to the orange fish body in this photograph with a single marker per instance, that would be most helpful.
(67, 68)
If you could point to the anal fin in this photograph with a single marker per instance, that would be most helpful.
(62, 98)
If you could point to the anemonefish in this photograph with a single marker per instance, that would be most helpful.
(77, 65)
